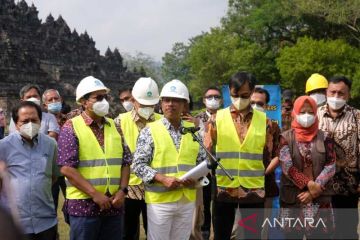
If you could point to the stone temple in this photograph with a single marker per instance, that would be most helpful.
(51, 55)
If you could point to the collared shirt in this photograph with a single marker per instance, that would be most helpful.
(144, 153)
(136, 191)
(242, 123)
(204, 116)
(48, 124)
(345, 131)
(31, 170)
(69, 156)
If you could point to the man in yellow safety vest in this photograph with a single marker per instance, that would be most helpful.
(145, 96)
(238, 135)
(96, 163)
(162, 156)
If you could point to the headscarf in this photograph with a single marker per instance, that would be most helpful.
(304, 134)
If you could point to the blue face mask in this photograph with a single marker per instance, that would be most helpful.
(54, 107)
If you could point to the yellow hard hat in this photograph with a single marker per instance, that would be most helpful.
(316, 81)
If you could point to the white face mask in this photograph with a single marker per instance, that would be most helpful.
(29, 130)
(212, 103)
(305, 120)
(101, 108)
(336, 103)
(240, 103)
(128, 105)
(319, 98)
(258, 107)
(34, 100)
(145, 112)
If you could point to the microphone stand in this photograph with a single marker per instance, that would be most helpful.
(212, 163)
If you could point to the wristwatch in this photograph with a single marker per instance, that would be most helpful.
(125, 190)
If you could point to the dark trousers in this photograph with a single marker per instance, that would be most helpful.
(55, 189)
(224, 216)
(96, 228)
(346, 216)
(207, 208)
(49, 234)
(133, 208)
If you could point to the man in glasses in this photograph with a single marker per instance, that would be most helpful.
(95, 161)
(212, 100)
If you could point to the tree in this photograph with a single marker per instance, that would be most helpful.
(338, 12)
(175, 64)
(327, 57)
(145, 65)
(218, 55)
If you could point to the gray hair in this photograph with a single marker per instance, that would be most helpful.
(47, 91)
(27, 87)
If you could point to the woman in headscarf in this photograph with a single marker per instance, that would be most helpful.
(307, 160)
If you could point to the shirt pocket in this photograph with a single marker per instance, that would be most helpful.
(45, 166)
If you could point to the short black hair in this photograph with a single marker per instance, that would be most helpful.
(124, 90)
(27, 87)
(212, 88)
(24, 104)
(263, 91)
(239, 78)
(337, 79)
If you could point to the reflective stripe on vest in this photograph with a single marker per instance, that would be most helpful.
(244, 161)
(102, 168)
(131, 133)
(168, 161)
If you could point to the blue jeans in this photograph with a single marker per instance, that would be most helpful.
(96, 228)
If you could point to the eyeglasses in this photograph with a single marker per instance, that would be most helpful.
(101, 97)
(217, 97)
(261, 104)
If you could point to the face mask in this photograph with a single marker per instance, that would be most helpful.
(29, 130)
(54, 107)
(128, 105)
(319, 98)
(257, 107)
(145, 112)
(305, 120)
(336, 103)
(212, 103)
(34, 100)
(101, 108)
(240, 103)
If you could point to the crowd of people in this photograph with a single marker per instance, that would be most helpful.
(112, 171)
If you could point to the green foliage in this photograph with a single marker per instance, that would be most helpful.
(279, 41)
(332, 57)
(144, 64)
(175, 64)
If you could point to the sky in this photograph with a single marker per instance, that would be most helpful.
(148, 26)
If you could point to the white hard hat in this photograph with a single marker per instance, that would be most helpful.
(175, 89)
(88, 85)
(146, 91)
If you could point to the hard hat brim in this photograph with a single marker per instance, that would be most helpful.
(148, 102)
(94, 90)
(176, 96)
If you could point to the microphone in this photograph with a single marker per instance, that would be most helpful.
(185, 130)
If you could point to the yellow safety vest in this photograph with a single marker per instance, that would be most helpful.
(168, 161)
(244, 161)
(102, 168)
(131, 134)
